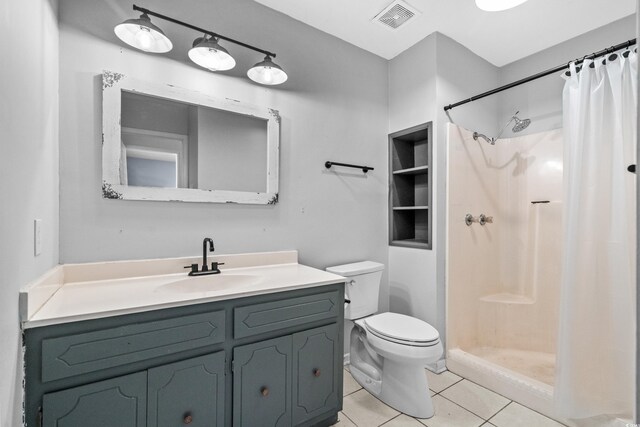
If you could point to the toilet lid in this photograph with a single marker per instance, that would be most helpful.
(398, 327)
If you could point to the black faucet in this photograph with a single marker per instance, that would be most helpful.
(204, 251)
(205, 267)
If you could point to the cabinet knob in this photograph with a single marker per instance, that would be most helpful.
(187, 419)
(316, 372)
(264, 391)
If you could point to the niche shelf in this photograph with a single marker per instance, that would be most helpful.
(410, 187)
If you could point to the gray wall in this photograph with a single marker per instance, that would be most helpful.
(541, 100)
(29, 165)
(157, 114)
(434, 72)
(333, 108)
(232, 151)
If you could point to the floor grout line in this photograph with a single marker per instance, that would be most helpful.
(345, 415)
(478, 415)
(501, 409)
(480, 385)
(355, 391)
(466, 409)
(449, 386)
(388, 421)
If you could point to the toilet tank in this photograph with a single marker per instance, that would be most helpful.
(362, 287)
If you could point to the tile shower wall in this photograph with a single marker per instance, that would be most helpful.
(504, 277)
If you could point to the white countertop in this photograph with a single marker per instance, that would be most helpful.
(119, 287)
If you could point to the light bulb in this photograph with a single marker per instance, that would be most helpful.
(268, 77)
(142, 34)
(498, 5)
(267, 73)
(144, 38)
(207, 53)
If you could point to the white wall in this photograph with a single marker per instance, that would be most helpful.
(29, 165)
(541, 100)
(334, 107)
(434, 72)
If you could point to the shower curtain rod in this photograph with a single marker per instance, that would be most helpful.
(554, 70)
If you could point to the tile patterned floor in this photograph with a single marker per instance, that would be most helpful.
(457, 401)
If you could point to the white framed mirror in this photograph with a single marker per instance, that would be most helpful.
(165, 143)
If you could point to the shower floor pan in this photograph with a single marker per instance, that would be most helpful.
(532, 364)
(511, 373)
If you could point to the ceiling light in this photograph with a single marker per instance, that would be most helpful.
(207, 53)
(498, 5)
(142, 34)
(267, 73)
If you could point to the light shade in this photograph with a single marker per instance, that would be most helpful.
(267, 73)
(498, 5)
(207, 53)
(142, 34)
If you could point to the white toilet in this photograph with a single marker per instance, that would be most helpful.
(388, 351)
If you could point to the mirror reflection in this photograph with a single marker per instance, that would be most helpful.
(171, 144)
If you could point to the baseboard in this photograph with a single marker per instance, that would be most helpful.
(346, 359)
(437, 367)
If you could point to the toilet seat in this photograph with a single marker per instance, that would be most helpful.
(402, 329)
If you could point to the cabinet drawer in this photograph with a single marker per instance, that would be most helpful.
(71, 355)
(260, 318)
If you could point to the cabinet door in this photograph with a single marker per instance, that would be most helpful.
(316, 372)
(262, 383)
(119, 402)
(189, 392)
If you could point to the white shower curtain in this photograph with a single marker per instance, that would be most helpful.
(596, 340)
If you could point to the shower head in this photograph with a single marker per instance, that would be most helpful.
(518, 127)
(520, 124)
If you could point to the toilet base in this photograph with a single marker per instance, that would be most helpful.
(405, 388)
(402, 387)
(393, 372)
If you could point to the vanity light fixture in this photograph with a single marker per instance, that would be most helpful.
(142, 34)
(206, 51)
(498, 5)
(267, 73)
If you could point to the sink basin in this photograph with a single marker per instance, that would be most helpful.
(211, 283)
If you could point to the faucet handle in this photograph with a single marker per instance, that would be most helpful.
(214, 266)
(193, 267)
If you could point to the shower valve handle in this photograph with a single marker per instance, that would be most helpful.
(470, 219)
(485, 219)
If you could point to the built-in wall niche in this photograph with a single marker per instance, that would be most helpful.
(410, 187)
(166, 143)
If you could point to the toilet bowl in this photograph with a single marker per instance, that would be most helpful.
(387, 351)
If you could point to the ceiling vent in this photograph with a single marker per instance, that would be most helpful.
(396, 14)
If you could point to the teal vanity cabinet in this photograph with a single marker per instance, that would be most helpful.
(288, 380)
(118, 402)
(266, 360)
(262, 383)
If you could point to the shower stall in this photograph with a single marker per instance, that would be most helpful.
(504, 276)
(541, 241)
